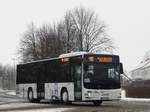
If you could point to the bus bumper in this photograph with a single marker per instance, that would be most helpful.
(104, 95)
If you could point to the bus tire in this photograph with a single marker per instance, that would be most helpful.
(65, 96)
(97, 103)
(30, 95)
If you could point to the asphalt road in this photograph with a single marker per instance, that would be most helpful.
(11, 103)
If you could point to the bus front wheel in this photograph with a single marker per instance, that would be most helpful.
(65, 97)
(97, 103)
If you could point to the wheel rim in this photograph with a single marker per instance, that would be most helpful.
(65, 96)
(30, 95)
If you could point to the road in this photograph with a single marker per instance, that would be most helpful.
(11, 103)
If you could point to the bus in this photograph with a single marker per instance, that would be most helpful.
(78, 76)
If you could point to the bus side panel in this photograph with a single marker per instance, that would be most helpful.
(48, 91)
(53, 90)
(22, 90)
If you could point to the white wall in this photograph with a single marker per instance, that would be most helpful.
(141, 73)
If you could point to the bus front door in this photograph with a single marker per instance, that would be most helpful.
(77, 82)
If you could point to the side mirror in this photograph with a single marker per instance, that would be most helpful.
(121, 68)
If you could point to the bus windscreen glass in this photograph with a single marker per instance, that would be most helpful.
(101, 76)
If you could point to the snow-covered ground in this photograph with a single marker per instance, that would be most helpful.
(13, 104)
(11, 93)
(8, 92)
(31, 107)
(45, 110)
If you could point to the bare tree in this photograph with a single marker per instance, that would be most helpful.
(80, 30)
(40, 43)
(28, 47)
(70, 32)
(49, 43)
(90, 32)
(7, 77)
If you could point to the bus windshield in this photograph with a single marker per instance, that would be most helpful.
(101, 75)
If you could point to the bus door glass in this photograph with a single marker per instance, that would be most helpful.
(77, 71)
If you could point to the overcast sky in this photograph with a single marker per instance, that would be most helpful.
(128, 23)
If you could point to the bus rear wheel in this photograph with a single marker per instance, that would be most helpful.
(30, 95)
(97, 103)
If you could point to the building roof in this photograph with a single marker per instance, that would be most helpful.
(146, 56)
(145, 61)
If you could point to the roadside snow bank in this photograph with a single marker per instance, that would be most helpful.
(137, 99)
(11, 93)
(123, 94)
(8, 92)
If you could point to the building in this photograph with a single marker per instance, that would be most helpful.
(142, 71)
(140, 86)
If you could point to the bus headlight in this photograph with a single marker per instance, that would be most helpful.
(88, 94)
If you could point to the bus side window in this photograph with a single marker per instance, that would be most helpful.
(65, 72)
(71, 73)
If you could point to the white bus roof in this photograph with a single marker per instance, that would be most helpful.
(73, 54)
(79, 54)
(63, 56)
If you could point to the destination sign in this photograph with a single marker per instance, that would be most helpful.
(104, 59)
(99, 59)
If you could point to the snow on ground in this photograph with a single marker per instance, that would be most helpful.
(137, 99)
(31, 107)
(44, 110)
(123, 94)
(8, 92)
(11, 93)
(15, 105)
